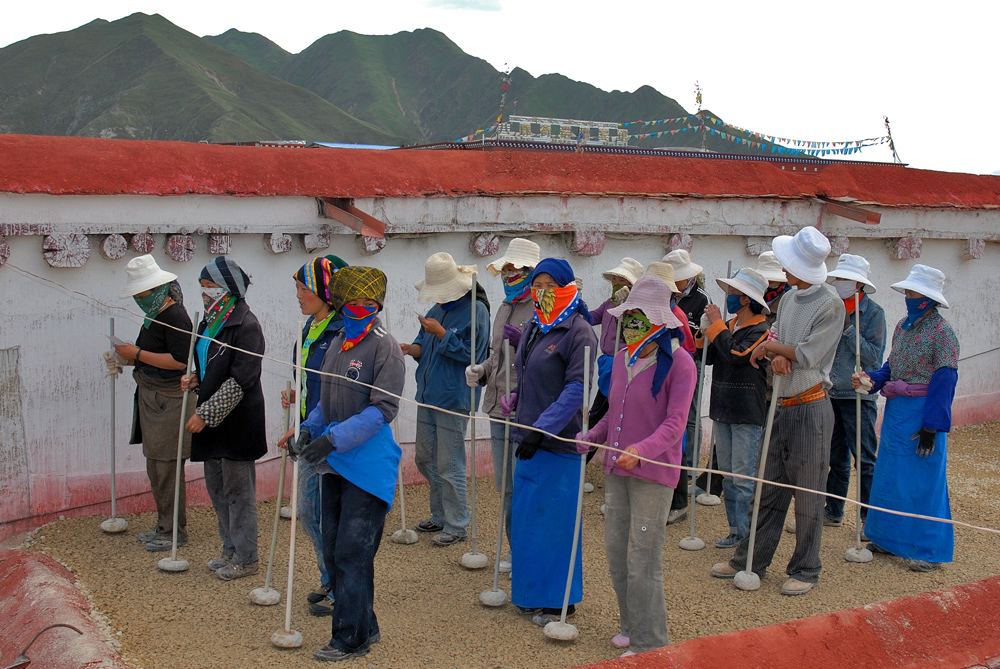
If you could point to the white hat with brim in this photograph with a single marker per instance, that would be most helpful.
(680, 260)
(770, 268)
(751, 283)
(804, 255)
(629, 269)
(853, 268)
(664, 271)
(651, 296)
(925, 280)
(144, 274)
(444, 280)
(521, 253)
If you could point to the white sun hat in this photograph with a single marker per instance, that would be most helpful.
(521, 253)
(803, 255)
(651, 295)
(444, 280)
(853, 268)
(664, 271)
(683, 267)
(769, 266)
(629, 269)
(925, 280)
(144, 274)
(751, 283)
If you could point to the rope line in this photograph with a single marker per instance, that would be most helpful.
(142, 317)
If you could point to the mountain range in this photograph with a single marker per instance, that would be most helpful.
(143, 77)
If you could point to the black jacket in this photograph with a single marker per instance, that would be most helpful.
(693, 306)
(738, 389)
(241, 434)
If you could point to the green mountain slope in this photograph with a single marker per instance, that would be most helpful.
(252, 48)
(143, 77)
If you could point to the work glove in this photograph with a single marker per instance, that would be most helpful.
(295, 446)
(705, 323)
(472, 375)
(581, 447)
(621, 295)
(926, 444)
(507, 408)
(316, 450)
(529, 445)
(512, 333)
(865, 386)
(114, 362)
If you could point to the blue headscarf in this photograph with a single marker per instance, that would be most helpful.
(664, 357)
(561, 271)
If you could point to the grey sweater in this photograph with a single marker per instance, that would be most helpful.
(811, 320)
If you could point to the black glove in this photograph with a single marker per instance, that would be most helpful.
(926, 444)
(529, 446)
(295, 446)
(317, 450)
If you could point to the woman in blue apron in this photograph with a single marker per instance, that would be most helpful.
(919, 381)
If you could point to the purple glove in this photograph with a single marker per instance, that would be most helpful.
(582, 448)
(512, 333)
(508, 408)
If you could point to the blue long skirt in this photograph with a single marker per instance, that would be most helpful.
(542, 515)
(907, 482)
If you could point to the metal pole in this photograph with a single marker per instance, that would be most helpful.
(583, 474)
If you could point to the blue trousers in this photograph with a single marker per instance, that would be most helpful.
(309, 514)
(842, 450)
(439, 453)
(496, 438)
(736, 446)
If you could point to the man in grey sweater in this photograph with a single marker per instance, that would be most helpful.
(801, 347)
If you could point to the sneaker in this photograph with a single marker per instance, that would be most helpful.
(528, 611)
(790, 525)
(233, 571)
(832, 522)
(729, 542)
(446, 539)
(147, 536)
(677, 515)
(505, 564)
(547, 616)
(793, 587)
(428, 526)
(875, 548)
(723, 570)
(330, 653)
(161, 545)
(620, 641)
(318, 595)
(922, 565)
(322, 608)
(215, 564)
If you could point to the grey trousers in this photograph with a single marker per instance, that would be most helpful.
(634, 531)
(162, 478)
(232, 486)
(799, 454)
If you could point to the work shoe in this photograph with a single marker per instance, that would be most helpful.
(723, 570)
(875, 548)
(922, 565)
(233, 571)
(553, 615)
(832, 522)
(148, 535)
(793, 587)
(428, 526)
(322, 608)
(790, 525)
(318, 595)
(620, 641)
(729, 541)
(677, 515)
(505, 564)
(160, 545)
(215, 564)
(528, 610)
(330, 653)
(446, 539)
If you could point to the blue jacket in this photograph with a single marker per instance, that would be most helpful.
(315, 360)
(441, 366)
(872, 349)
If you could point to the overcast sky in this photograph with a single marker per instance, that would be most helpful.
(817, 71)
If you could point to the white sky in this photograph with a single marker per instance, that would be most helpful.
(820, 71)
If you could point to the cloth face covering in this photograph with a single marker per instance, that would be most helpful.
(516, 284)
(845, 288)
(357, 322)
(771, 293)
(637, 332)
(554, 305)
(218, 303)
(915, 308)
(153, 303)
(733, 303)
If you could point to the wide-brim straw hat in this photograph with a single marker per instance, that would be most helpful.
(751, 283)
(770, 268)
(629, 269)
(144, 274)
(803, 255)
(444, 280)
(663, 271)
(680, 260)
(651, 295)
(853, 268)
(925, 280)
(521, 253)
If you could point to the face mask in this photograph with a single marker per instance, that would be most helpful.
(515, 284)
(554, 305)
(357, 322)
(733, 303)
(153, 303)
(845, 288)
(212, 296)
(635, 327)
(915, 308)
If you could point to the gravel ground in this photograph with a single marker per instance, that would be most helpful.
(428, 605)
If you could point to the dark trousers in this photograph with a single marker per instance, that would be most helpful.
(162, 479)
(352, 521)
(232, 486)
(842, 451)
(717, 480)
(799, 454)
